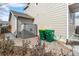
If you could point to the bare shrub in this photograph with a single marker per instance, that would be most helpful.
(7, 48)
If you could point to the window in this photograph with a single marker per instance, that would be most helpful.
(77, 19)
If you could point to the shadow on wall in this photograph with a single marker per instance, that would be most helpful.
(24, 34)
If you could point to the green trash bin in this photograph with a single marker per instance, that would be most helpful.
(42, 34)
(49, 34)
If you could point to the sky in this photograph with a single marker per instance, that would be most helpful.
(5, 9)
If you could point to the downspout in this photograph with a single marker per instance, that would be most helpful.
(27, 6)
(17, 28)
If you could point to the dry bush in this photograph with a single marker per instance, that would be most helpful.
(7, 48)
(23, 50)
(39, 50)
(9, 28)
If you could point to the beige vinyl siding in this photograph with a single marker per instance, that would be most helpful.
(50, 16)
(13, 23)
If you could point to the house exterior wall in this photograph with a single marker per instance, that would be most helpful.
(73, 8)
(31, 28)
(71, 24)
(13, 23)
(50, 16)
(23, 21)
(26, 28)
